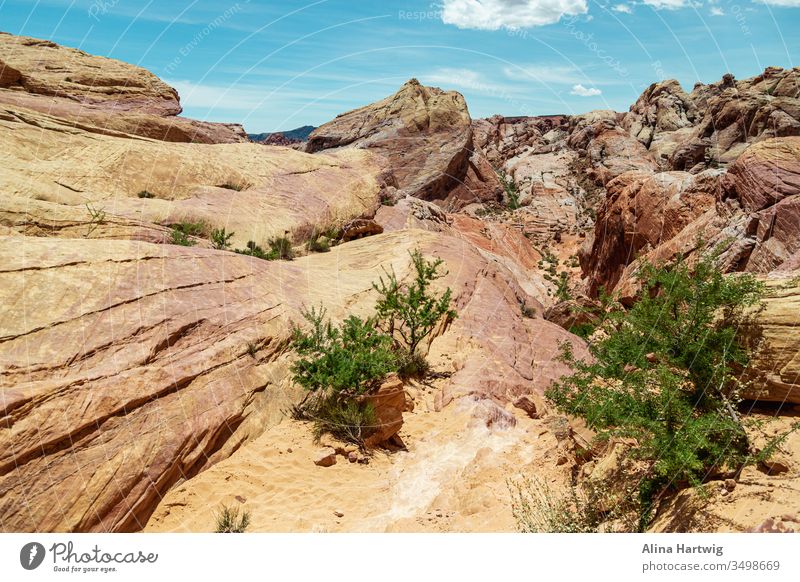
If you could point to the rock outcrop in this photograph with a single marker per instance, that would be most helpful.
(98, 94)
(424, 135)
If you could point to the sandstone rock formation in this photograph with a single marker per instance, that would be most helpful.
(424, 135)
(98, 94)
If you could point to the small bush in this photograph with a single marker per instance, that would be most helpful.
(527, 311)
(229, 520)
(318, 243)
(183, 232)
(338, 364)
(411, 311)
(178, 237)
(412, 365)
(280, 248)
(253, 250)
(511, 189)
(220, 239)
(347, 360)
(146, 194)
(538, 509)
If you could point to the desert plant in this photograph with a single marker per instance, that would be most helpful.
(318, 243)
(253, 250)
(229, 521)
(145, 194)
(580, 509)
(97, 216)
(337, 364)
(183, 233)
(347, 360)
(664, 374)
(280, 248)
(179, 237)
(220, 239)
(510, 188)
(411, 311)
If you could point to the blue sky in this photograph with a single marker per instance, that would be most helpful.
(277, 65)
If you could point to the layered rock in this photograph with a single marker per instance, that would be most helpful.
(254, 191)
(424, 135)
(98, 93)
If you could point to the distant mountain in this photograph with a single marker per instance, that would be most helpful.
(297, 135)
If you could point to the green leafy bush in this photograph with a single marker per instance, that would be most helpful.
(183, 233)
(229, 520)
(220, 239)
(664, 374)
(253, 250)
(280, 248)
(411, 311)
(347, 360)
(510, 188)
(337, 364)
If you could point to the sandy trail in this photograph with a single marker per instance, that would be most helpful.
(452, 478)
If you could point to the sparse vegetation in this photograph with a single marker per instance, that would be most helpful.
(220, 239)
(510, 189)
(411, 311)
(341, 364)
(337, 364)
(526, 310)
(664, 375)
(229, 520)
(280, 248)
(253, 250)
(318, 243)
(538, 509)
(145, 194)
(184, 233)
(97, 216)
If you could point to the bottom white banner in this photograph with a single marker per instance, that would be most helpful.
(389, 557)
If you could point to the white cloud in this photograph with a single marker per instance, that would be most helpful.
(547, 74)
(667, 4)
(511, 14)
(715, 11)
(624, 8)
(582, 91)
(783, 3)
(449, 77)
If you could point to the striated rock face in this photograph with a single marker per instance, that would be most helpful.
(97, 92)
(738, 113)
(279, 190)
(425, 136)
(642, 211)
(147, 363)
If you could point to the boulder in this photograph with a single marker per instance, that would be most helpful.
(389, 403)
(325, 457)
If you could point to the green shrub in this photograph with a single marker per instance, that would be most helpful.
(510, 188)
(229, 520)
(412, 365)
(220, 239)
(280, 248)
(664, 374)
(348, 360)
(253, 250)
(183, 233)
(337, 364)
(411, 311)
(318, 243)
